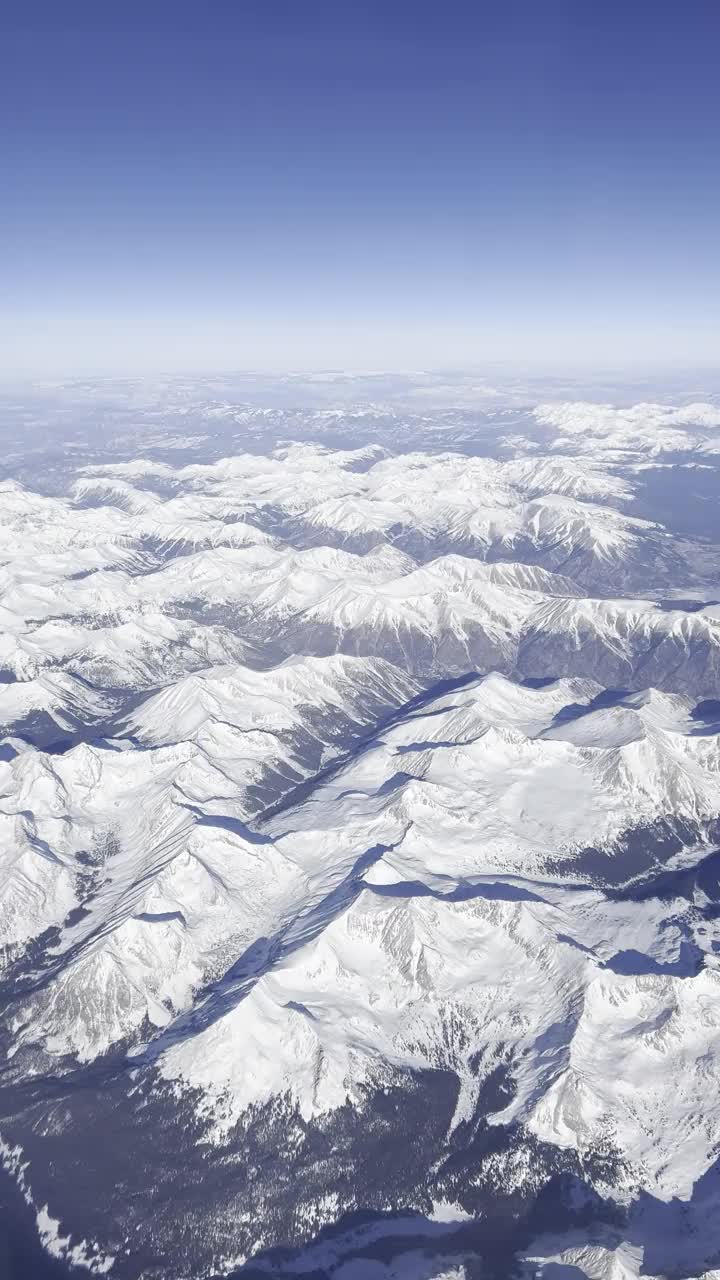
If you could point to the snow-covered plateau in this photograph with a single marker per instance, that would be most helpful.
(360, 837)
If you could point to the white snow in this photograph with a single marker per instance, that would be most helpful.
(235, 629)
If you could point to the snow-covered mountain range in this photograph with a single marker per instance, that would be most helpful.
(359, 798)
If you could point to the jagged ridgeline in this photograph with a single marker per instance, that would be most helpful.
(360, 890)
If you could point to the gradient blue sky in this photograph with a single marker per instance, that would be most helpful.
(238, 184)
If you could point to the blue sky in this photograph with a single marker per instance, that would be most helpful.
(232, 184)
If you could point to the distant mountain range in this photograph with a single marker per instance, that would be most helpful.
(359, 872)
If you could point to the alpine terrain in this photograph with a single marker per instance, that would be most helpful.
(360, 832)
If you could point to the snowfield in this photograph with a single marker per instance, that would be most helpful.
(359, 802)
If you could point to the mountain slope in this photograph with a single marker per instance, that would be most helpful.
(358, 880)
